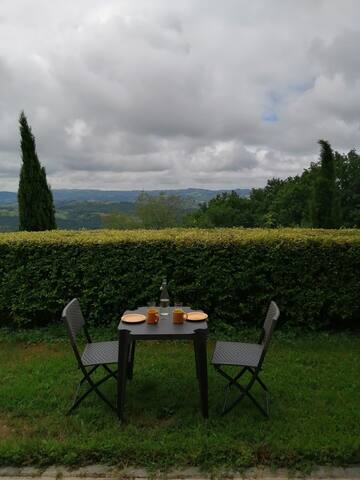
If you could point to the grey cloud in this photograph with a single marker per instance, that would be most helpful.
(222, 157)
(340, 55)
(139, 95)
(117, 163)
(9, 165)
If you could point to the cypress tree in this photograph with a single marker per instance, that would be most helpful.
(324, 206)
(36, 205)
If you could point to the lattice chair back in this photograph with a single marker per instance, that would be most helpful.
(75, 322)
(271, 319)
(73, 318)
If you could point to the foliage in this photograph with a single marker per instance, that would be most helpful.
(36, 207)
(314, 381)
(160, 211)
(283, 202)
(230, 273)
(120, 221)
(325, 199)
(348, 175)
(279, 203)
(151, 212)
(225, 210)
(262, 200)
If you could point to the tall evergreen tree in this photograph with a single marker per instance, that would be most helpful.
(36, 206)
(324, 204)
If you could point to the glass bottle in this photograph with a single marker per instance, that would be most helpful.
(164, 298)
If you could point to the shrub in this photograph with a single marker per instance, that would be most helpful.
(230, 273)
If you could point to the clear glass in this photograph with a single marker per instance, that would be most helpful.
(152, 315)
(164, 299)
(179, 315)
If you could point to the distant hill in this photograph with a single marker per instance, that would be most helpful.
(68, 195)
(86, 208)
(8, 197)
(70, 215)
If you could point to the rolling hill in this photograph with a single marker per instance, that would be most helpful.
(77, 209)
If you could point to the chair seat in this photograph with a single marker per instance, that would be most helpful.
(99, 353)
(238, 354)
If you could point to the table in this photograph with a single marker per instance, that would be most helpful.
(129, 333)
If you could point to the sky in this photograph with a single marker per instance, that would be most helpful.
(138, 94)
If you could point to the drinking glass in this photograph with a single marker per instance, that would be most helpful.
(178, 314)
(152, 316)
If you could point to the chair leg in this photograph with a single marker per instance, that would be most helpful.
(239, 375)
(245, 390)
(231, 380)
(74, 402)
(101, 395)
(246, 393)
(113, 373)
(91, 371)
(93, 387)
(258, 379)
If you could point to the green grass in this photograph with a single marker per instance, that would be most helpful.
(315, 413)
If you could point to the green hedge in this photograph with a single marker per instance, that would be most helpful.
(230, 273)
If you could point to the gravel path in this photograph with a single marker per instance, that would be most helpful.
(92, 472)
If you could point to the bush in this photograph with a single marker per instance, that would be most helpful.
(230, 273)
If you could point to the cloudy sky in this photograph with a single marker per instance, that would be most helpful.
(161, 94)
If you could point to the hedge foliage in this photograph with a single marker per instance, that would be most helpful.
(314, 275)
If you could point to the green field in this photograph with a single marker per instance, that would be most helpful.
(70, 215)
(315, 414)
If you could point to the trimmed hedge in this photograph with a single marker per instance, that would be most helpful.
(314, 275)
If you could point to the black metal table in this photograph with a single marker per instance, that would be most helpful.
(129, 333)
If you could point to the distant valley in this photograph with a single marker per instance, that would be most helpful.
(76, 209)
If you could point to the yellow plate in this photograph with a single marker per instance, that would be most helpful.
(133, 318)
(196, 316)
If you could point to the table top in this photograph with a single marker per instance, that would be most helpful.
(164, 329)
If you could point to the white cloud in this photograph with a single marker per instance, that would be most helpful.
(77, 131)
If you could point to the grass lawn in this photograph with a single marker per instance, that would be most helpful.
(315, 412)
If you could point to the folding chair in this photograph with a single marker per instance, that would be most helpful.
(95, 355)
(250, 358)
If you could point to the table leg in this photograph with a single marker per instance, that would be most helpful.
(131, 359)
(200, 343)
(196, 359)
(124, 344)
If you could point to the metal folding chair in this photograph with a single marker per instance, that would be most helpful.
(250, 358)
(95, 355)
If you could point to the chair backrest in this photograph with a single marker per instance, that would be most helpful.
(73, 318)
(75, 322)
(272, 316)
